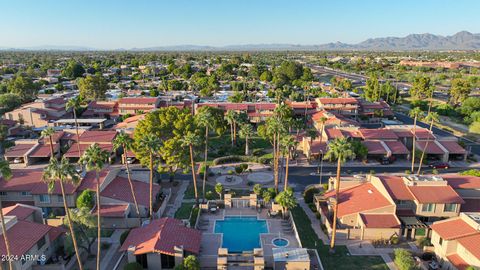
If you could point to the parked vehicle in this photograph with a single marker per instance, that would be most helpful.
(386, 160)
(130, 160)
(439, 165)
(18, 160)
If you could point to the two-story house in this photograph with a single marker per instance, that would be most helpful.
(104, 139)
(137, 105)
(40, 113)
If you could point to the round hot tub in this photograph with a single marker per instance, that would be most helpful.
(280, 242)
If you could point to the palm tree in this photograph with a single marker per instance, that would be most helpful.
(414, 113)
(289, 143)
(432, 117)
(151, 143)
(3, 136)
(190, 140)
(204, 119)
(75, 104)
(6, 173)
(246, 132)
(48, 133)
(276, 128)
(286, 199)
(124, 141)
(322, 120)
(341, 150)
(94, 159)
(231, 117)
(63, 172)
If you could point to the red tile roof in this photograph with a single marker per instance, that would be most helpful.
(435, 194)
(397, 147)
(162, 236)
(43, 150)
(111, 210)
(18, 210)
(375, 147)
(458, 181)
(138, 100)
(453, 228)
(89, 180)
(73, 150)
(453, 147)
(361, 198)
(338, 101)
(432, 147)
(396, 187)
(457, 261)
(378, 134)
(24, 235)
(422, 133)
(333, 133)
(471, 243)
(405, 133)
(98, 136)
(380, 220)
(119, 189)
(55, 138)
(19, 150)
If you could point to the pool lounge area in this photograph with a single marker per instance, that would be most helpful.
(241, 230)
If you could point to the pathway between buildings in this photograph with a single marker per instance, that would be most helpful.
(177, 202)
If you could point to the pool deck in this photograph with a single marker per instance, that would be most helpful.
(211, 241)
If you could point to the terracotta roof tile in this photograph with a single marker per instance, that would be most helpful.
(18, 210)
(380, 220)
(378, 134)
(111, 210)
(397, 147)
(453, 228)
(375, 147)
(73, 150)
(119, 189)
(435, 194)
(432, 147)
(396, 187)
(24, 236)
(97, 136)
(161, 236)
(458, 181)
(457, 261)
(471, 243)
(19, 150)
(453, 147)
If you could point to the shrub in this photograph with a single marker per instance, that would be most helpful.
(230, 172)
(403, 259)
(325, 186)
(312, 207)
(238, 169)
(209, 195)
(394, 240)
(85, 199)
(257, 189)
(372, 172)
(318, 215)
(434, 171)
(244, 166)
(123, 236)
(408, 172)
(308, 194)
(423, 241)
(472, 172)
(133, 266)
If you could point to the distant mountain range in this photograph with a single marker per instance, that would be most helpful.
(460, 41)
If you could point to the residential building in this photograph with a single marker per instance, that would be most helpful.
(162, 244)
(101, 109)
(137, 105)
(104, 139)
(40, 113)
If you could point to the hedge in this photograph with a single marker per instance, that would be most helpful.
(237, 158)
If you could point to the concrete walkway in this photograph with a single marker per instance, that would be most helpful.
(315, 222)
(112, 256)
(172, 208)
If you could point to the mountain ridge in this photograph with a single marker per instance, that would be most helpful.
(462, 40)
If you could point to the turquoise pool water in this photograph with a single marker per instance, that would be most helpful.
(280, 242)
(241, 233)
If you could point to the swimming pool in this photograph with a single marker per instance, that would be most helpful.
(240, 233)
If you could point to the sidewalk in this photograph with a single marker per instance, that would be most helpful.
(112, 256)
(172, 208)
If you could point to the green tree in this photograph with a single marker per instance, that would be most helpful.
(73, 70)
(86, 199)
(9, 101)
(414, 113)
(6, 174)
(231, 118)
(341, 150)
(48, 133)
(246, 132)
(63, 172)
(75, 104)
(189, 263)
(93, 87)
(152, 144)
(403, 259)
(23, 86)
(422, 88)
(94, 159)
(432, 117)
(474, 127)
(288, 144)
(83, 225)
(286, 200)
(219, 189)
(257, 189)
(372, 88)
(459, 90)
(191, 140)
(266, 76)
(125, 142)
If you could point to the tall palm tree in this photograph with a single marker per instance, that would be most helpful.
(6, 173)
(124, 141)
(322, 121)
(63, 172)
(190, 140)
(94, 159)
(341, 150)
(414, 113)
(151, 143)
(48, 133)
(75, 104)
(204, 119)
(3, 136)
(432, 117)
(288, 144)
(246, 132)
(276, 128)
(231, 117)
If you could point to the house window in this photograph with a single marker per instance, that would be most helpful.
(440, 241)
(450, 207)
(44, 198)
(3, 193)
(428, 207)
(41, 242)
(26, 193)
(59, 198)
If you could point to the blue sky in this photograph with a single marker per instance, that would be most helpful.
(108, 24)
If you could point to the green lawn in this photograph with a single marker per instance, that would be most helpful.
(339, 260)
(222, 146)
(190, 192)
(184, 211)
